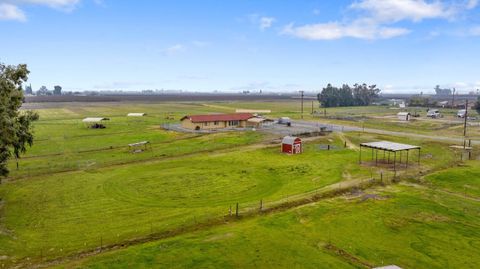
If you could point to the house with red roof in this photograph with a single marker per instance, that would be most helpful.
(219, 121)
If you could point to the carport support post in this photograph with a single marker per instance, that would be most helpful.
(406, 164)
(360, 156)
(376, 157)
(419, 155)
(395, 161)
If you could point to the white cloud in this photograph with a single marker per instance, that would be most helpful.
(335, 30)
(376, 19)
(398, 10)
(266, 22)
(263, 22)
(475, 31)
(471, 4)
(11, 12)
(175, 49)
(11, 9)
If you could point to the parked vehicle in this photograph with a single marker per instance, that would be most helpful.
(434, 114)
(461, 113)
(285, 120)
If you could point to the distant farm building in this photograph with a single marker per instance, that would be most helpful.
(95, 123)
(291, 145)
(219, 121)
(136, 114)
(253, 111)
(405, 116)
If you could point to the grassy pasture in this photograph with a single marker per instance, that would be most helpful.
(78, 188)
(463, 180)
(405, 226)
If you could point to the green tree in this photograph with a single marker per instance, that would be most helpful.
(15, 126)
(57, 90)
(329, 96)
(360, 95)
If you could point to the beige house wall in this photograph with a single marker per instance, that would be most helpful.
(188, 124)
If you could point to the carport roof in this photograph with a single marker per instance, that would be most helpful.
(389, 146)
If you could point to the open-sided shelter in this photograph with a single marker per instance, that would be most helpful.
(95, 122)
(139, 146)
(389, 147)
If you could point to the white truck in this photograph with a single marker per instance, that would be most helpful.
(434, 114)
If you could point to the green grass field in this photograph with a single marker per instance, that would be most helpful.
(401, 225)
(79, 189)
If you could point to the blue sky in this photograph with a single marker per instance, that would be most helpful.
(288, 45)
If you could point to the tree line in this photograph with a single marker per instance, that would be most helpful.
(358, 95)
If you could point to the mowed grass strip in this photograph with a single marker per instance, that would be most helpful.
(399, 225)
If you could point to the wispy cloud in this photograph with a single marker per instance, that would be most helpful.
(389, 11)
(262, 22)
(335, 30)
(475, 30)
(12, 9)
(174, 49)
(266, 22)
(11, 12)
(471, 4)
(376, 19)
(198, 43)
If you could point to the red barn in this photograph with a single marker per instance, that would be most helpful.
(291, 145)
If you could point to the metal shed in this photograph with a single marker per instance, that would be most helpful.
(292, 145)
(404, 116)
(390, 147)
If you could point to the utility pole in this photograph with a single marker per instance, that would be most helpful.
(465, 121)
(453, 98)
(302, 93)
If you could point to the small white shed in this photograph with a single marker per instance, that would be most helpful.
(405, 116)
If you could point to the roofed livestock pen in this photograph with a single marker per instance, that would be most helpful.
(390, 147)
(95, 122)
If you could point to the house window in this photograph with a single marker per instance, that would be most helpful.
(215, 123)
(233, 123)
(205, 124)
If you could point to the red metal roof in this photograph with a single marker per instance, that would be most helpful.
(219, 117)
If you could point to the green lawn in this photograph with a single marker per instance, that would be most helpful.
(403, 226)
(463, 180)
